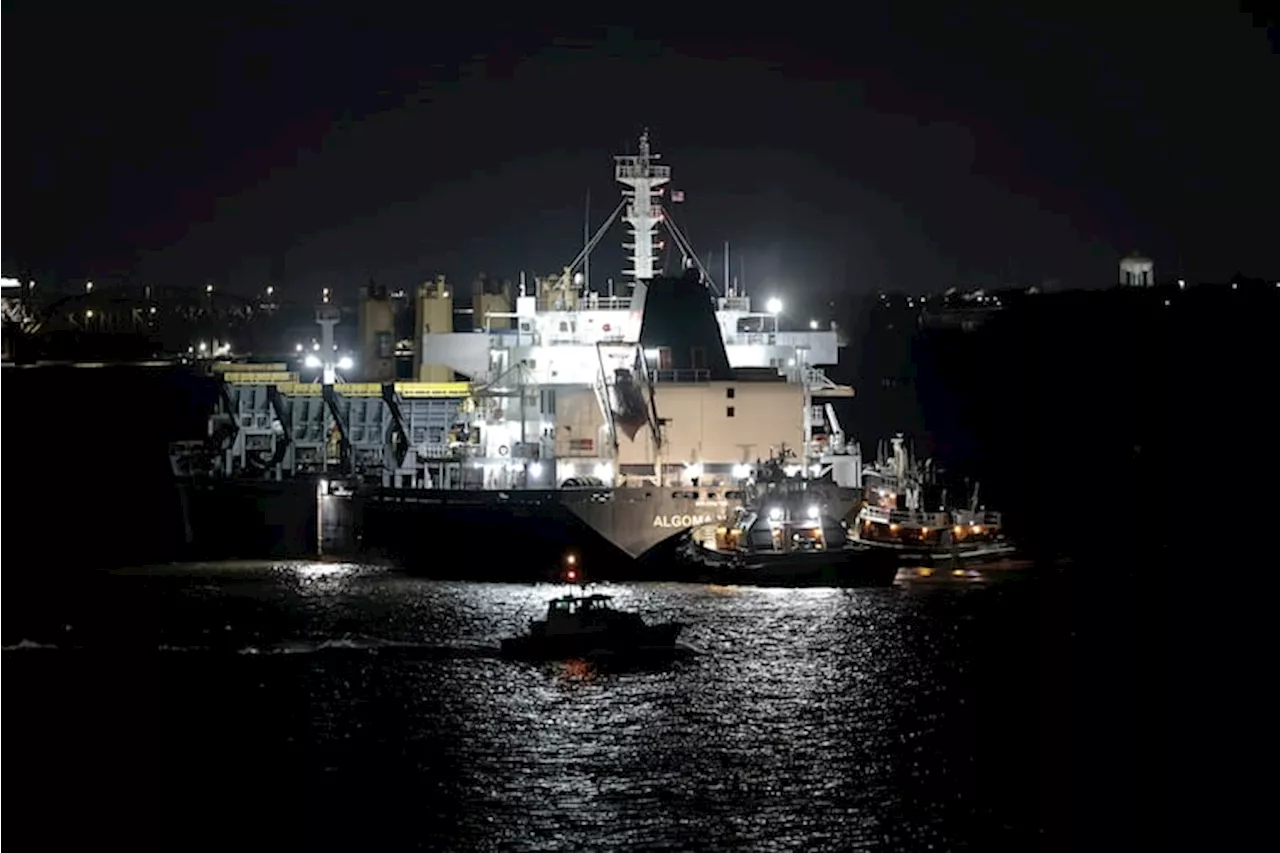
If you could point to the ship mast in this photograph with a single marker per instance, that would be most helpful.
(644, 179)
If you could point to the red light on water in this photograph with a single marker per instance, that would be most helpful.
(571, 575)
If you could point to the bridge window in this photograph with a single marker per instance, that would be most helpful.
(728, 393)
(728, 412)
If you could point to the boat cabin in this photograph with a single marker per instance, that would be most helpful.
(572, 606)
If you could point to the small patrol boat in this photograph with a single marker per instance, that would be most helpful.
(587, 626)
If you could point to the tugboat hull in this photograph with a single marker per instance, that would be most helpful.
(848, 567)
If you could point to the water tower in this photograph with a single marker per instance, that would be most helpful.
(1137, 271)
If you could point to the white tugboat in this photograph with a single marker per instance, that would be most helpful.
(896, 515)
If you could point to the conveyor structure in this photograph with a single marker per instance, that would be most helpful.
(271, 426)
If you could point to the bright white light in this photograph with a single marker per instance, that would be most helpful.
(88, 287)
(1182, 283)
(203, 346)
(578, 279)
(741, 471)
(315, 346)
(345, 363)
(813, 511)
(89, 314)
(694, 470)
(208, 288)
(535, 469)
(324, 487)
(270, 290)
(311, 361)
(152, 309)
(773, 306)
(775, 513)
(297, 347)
(603, 470)
(813, 324)
(651, 355)
(225, 349)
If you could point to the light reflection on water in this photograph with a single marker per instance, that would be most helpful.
(812, 719)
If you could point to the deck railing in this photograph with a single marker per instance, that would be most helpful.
(916, 518)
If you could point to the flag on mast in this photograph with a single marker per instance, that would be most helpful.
(677, 195)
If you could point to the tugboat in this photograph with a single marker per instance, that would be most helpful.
(791, 532)
(895, 519)
(589, 626)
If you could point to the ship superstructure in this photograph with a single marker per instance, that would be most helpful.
(669, 391)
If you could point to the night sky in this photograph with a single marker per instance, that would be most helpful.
(858, 152)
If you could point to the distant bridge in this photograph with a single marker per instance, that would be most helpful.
(174, 318)
(141, 311)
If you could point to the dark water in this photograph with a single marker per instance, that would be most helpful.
(325, 706)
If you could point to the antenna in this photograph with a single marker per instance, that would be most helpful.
(726, 269)
(586, 242)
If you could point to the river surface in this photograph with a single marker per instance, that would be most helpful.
(327, 705)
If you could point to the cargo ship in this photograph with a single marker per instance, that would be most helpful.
(564, 418)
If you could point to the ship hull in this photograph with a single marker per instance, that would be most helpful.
(492, 535)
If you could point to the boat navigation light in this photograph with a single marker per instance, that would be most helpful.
(297, 347)
(813, 511)
(773, 306)
(311, 361)
(345, 363)
(571, 575)
(571, 559)
(813, 324)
